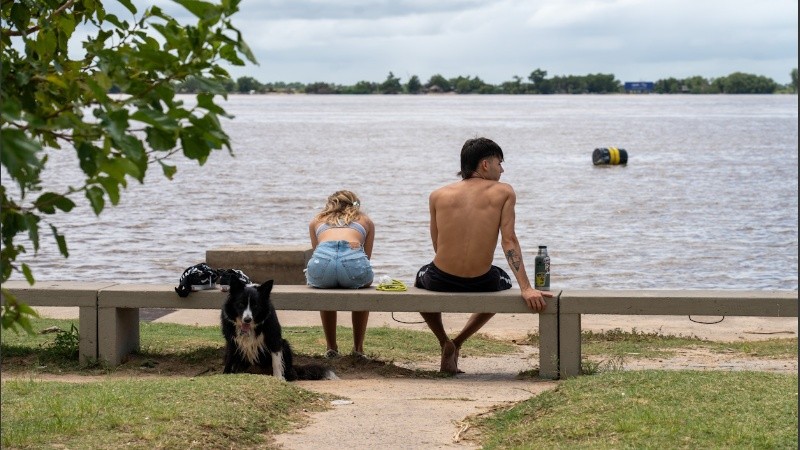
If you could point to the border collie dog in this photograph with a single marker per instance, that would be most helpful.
(253, 336)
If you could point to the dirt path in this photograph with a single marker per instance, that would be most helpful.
(415, 413)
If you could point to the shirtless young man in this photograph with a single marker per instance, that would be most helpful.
(466, 218)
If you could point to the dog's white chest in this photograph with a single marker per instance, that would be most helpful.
(249, 346)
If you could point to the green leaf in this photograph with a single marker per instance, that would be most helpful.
(115, 123)
(128, 4)
(26, 271)
(228, 52)
(95, 196)
(132, 148)
(61, 241)
(206, 101)
(32, 225)
(155, 118)
(200, 9)
(169, 171)
(20, 15)
(193, 145)
(88, 155)
(45, 44)
(49, 201)
(99, 85)
(161, 140)
(19, 155)
(111, 185)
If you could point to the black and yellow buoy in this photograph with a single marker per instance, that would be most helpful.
(611, 155)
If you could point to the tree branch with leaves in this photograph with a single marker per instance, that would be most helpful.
(52, 102)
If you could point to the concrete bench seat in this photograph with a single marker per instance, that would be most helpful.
(118, 310)
(109, 313)
(573, 303)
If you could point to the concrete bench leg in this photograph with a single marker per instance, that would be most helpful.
(548, 346)
(118, 333)
(87, 343)
(569, 347)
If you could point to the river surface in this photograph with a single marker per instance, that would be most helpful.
(708, 199)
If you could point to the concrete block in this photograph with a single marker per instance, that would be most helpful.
(282, 263)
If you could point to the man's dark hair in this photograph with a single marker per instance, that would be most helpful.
(475, 150)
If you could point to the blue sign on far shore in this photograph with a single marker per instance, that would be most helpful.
(639, 87)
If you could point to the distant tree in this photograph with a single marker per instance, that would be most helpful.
(53, 101)
(744, 83)
(667, 86)
(321, 88)
(691, 85)
(793, 84)
(247, 85)
(602, 84)
(697, 85)
(513, 87)
(392, 85)
(280, 86)
(414, 86)
(539, 83)
(569, 84)
(439, 82)
(362, 88)
(469, 85)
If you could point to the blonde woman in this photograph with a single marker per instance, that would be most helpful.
(342, 237)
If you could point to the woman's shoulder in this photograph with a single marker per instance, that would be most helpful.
(365, 220)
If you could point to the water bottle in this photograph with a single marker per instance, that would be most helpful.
(542, 269)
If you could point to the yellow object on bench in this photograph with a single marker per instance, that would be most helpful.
(392, 285)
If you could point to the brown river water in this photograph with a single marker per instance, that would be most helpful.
(708, 199)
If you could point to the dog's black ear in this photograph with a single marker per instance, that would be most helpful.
(265, 288)
(236, 285)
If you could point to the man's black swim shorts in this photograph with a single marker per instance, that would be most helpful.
(431, 278)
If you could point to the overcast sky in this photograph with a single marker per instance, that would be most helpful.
(346, 41)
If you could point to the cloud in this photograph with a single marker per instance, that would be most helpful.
(353, 40)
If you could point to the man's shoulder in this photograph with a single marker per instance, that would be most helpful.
(501, 188)
(446, 188)
(460, 186)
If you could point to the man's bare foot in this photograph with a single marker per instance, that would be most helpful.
(458, 350)
(449, 359)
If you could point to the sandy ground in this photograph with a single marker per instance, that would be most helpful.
(403, 413)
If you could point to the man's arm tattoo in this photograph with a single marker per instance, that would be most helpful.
(514, 260)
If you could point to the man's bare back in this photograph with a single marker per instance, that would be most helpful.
(465, 224)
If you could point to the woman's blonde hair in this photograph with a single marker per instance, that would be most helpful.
(342, 208)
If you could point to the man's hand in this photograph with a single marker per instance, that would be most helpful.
(535, 299)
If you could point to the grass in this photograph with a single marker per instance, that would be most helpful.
(143, 403)
(637, 344)
(653, 409)
(152, 413)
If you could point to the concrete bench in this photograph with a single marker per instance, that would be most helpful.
(118, 310)
(109, 313)
(573, 303)
(71, 294)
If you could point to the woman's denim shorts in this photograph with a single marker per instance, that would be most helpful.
(335, 264)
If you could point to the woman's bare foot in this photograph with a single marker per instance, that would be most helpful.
(449, 358)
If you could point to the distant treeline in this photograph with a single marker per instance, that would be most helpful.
(536, 83)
